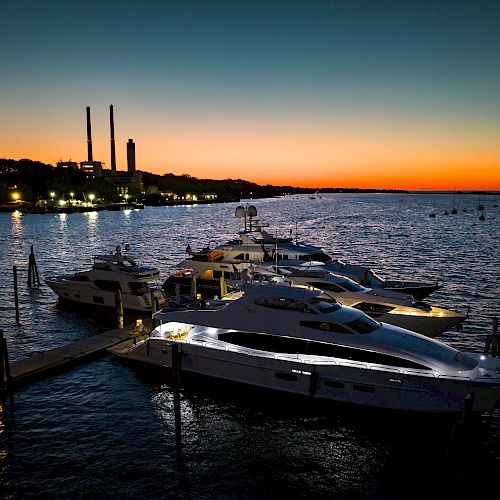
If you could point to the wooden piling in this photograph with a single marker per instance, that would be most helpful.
(492, 344)
(33, 276)
(154, 308)
(119, 307)
(6, 363)
(176, 368)
(193, 287)
(3, 384)
(365, 281)
(16, 293)
(223, 287)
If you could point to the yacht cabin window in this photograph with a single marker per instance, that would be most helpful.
(111, 286)
(363, 325)
(373, 310)
(80, 277)
(351, 286)
(283, 303)
(290, 345)
(138, 288)
(326, 326)
(329, 287)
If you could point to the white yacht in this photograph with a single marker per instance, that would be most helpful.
(382, 305)
(293, 340)
(255, 245)
(110, 273)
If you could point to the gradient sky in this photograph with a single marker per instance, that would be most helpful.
(395, 94)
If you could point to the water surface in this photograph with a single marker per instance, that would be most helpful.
(106, 429)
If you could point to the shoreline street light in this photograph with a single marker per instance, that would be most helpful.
(72, 196)
(126, 197)
(15, 196)
(62, 203)
(91, 197)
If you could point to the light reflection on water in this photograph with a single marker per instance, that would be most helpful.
(107, 429)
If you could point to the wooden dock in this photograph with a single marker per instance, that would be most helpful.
(45, 362)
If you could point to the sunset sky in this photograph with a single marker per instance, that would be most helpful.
(384, 94)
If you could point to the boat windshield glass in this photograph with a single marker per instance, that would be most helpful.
(325, 305)
(351, 286)
(363, 325)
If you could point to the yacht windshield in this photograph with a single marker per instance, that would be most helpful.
(325, 305)
(363, 325)
(351, 286)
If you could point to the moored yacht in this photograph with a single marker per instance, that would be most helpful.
(294, 340)
(255, 245)
(382, 305)
(110, 273)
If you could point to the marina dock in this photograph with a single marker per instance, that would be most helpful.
(46, 362)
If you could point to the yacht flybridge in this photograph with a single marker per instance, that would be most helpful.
(382, 305)
(297, 341)
(110, 273)
(255, 245)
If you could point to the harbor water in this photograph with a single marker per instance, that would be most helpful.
(106, 429)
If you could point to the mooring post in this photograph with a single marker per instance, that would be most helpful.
(35, 269)
(496, 346)
(365, 277)
(176, 368)
(468, 405)
(119, 307)
(6, 363)
(153, 308)
(16, 294)
(3, 385)
(193, 287)
(30, 267)
(223, 287)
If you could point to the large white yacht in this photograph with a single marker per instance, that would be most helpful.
(110, 273)
(293, 340)
(382, 305)
(255, 245)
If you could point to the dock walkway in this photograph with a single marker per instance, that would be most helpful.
(38, 365)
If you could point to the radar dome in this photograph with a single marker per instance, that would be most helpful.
(240, 212)
(252, 211)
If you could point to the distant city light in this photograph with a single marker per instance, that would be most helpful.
(52, 194)
(62, 202)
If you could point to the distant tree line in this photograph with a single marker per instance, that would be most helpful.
(36, 180)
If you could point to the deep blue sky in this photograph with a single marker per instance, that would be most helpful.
(174, 68)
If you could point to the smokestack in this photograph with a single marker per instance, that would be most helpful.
(112, 126)
(131, 155)
(89, 136)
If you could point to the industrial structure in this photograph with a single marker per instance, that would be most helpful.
(129, 181)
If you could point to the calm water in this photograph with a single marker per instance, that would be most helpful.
(106, 429)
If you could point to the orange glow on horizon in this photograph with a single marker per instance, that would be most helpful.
(348, 156)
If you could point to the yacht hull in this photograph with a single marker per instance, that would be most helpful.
(432, 326)
(348, 382)
(88, 295)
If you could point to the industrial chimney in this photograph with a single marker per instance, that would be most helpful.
(131, 156)
(112, 126)
(89, 136)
